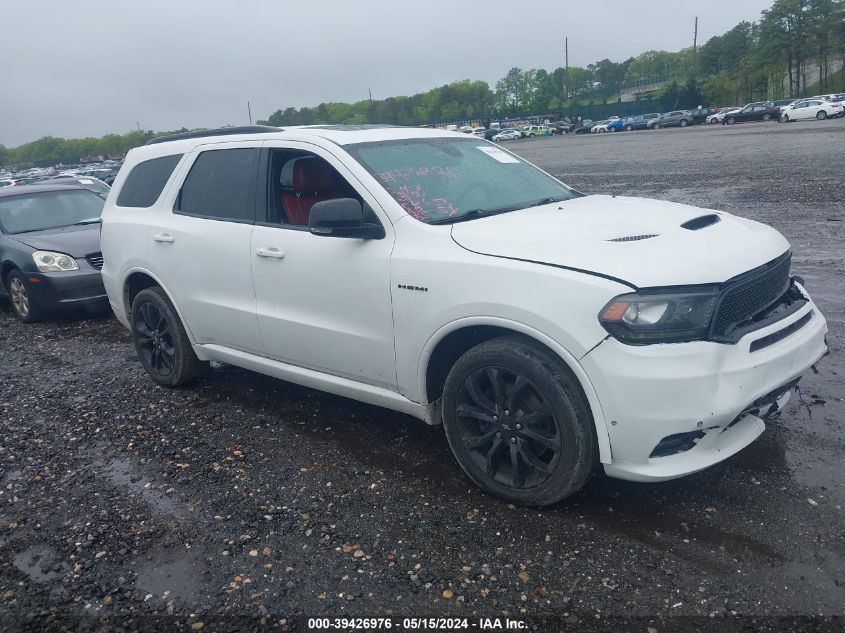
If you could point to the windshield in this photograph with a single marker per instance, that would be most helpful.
(49, 210)
(445, 179)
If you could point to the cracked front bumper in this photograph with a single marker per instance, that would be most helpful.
(651, 392)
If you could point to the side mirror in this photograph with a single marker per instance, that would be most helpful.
(342, 217)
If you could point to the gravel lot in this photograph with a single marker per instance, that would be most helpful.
(242, 500)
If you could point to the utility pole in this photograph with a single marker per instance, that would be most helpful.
(565, 88)
(566, 67)
(138, 125)
(371, 94)
(694, 46)
(249, 111)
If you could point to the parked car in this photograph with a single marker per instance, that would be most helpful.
(676, 118)
(49, 249)
(584, 128)
(700, 115)
(88, 182)
(529, 131)
(615, 125)
(507, 135)
(599, 127)
(758, 111)
(810, 109)
(490, 133)
(719, 116)
(639, 121)
(563, 127)
(541, 326)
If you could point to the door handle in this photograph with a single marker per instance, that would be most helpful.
(164, 237)
(270, 252)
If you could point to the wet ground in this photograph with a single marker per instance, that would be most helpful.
(243, 501)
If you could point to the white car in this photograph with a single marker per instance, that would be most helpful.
(600, 127)
(446, 278)
(507, 135)
(810, 109)
(719, 116)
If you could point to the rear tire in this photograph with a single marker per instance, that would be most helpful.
(821, 115)
(767, 117)
(161, 341)
(656, 126)
(629, 128)
(683, 123)
(519, 423)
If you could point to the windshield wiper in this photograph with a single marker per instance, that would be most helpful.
(476, 213)
(469, 215)
(540, 203)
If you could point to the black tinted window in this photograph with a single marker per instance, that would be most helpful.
(145, 182)
(221, 184)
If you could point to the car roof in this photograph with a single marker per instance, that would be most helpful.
(7, 192)
(337, 134)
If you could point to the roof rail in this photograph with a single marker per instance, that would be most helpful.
(222, 131)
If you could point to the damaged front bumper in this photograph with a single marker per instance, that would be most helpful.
(675, 409)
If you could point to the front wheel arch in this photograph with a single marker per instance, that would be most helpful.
(452, 340)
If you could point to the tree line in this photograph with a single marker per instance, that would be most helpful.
(772, 58)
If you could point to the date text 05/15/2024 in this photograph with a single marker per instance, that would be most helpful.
(414, 624)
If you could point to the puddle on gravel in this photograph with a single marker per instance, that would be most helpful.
(121, 472)
(37, 562)
(170, 575)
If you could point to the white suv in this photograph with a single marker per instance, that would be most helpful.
(444, 277)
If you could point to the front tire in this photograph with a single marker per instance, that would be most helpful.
(629, 128)
(161, 341)
(518, 422)
(22, 304)
(767, 117)
(683, 123)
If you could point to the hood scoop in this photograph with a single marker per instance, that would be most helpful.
(701, 222)
(633, 238)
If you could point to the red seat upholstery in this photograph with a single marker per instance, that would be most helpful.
(313, 181)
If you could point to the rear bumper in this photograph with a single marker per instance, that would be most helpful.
(703, 400)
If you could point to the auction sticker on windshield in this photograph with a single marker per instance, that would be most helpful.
(499, 155)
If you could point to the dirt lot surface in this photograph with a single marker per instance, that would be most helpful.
(243, 501)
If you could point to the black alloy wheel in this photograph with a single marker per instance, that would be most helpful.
(155, 339)
(518, 422)
(767, 117)
(161, 341)
(508, 427)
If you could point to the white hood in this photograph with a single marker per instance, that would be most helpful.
(578, 233)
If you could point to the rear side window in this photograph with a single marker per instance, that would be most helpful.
(221, 185)
(146, 181)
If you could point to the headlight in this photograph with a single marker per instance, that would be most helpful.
(667, 316)
(50, 262)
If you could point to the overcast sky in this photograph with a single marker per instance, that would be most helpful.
(74, 69)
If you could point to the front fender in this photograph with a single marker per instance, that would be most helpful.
(602, 434)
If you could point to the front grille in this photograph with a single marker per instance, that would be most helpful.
(749, 295)
(96, 260)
